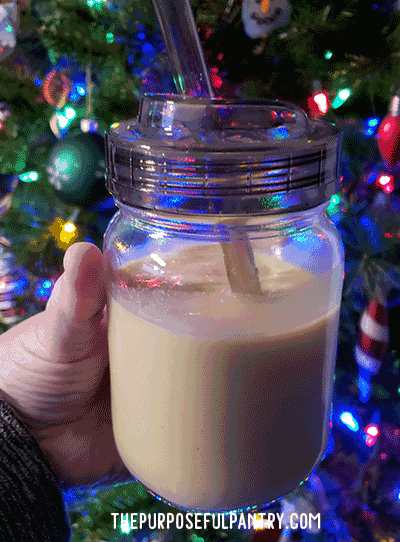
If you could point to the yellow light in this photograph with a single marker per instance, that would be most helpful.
(68, 234)
(69, 227)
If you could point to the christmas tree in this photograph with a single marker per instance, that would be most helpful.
(71, 68)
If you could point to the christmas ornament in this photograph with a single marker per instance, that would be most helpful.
(13, 283)
(56, 88)
(372, 342)
(8, 28)
(388, 135)
(260, 17)
(76, 169)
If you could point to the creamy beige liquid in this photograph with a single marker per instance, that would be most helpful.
(221, 401)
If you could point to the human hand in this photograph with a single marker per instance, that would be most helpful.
(54, 372)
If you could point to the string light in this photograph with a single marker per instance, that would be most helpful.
(343, 95)
(68, 233)
(29, 177)
(348, 419)
(319, 103)
(66, 116)
(371, 126)
(386, 182)
(65, 233)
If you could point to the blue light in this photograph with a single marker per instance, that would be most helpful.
(131, 60)
(398, 496)
(81, 90)
(46, 283)
(148, 48)
(348, 419)
(373, 121)
(38, 82)
(141, 36)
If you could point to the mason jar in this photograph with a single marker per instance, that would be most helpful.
(224, 280)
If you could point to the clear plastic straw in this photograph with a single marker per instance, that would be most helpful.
(185, 52)
(184, 49)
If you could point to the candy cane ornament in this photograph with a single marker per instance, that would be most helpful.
(372, 342)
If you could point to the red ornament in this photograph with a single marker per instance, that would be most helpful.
(56, 88)
(388, 134)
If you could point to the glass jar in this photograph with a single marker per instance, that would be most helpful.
(224, 286)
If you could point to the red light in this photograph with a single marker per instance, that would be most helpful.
(319, 103)
(372, 430)
(386, 182)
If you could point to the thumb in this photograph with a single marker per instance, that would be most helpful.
(80, 292)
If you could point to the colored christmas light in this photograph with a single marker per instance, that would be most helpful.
(388, 135)
(372, 430)
(29, 177)
(386, 182)
(348, 419)
(319, 103)
(343, 95)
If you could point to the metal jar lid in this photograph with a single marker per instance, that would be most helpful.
(195, 155)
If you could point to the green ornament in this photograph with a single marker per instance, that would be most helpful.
(76, 169)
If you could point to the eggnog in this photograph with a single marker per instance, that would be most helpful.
(221, 401)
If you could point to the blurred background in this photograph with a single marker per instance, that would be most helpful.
(71, 68)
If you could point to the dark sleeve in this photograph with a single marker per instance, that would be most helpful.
(31, 502)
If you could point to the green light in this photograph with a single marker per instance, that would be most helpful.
(398, 389)
(29, 177)
(110, 37)
(62, 121)
(125, 528)
(9, 28)
(90, 3)
(343, 95)
(335, 199)
(70, 113)
(328, 55)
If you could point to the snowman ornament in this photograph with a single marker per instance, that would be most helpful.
(260, 17)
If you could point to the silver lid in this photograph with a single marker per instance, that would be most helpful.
(196, 155)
